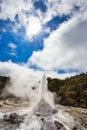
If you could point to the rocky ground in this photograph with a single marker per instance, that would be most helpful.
(13, 102)
(79, 114)
(14, 115)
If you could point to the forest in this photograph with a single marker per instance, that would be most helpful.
(70, 91)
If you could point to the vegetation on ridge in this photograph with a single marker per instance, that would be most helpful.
(71, 91)
(3, 81)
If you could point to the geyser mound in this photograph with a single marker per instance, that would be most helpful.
(42, 114)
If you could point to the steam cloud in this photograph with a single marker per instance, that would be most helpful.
(25, 82)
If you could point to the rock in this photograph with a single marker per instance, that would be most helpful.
(75, 128)
(44, 108)
(54, 111)
(4, 125)
(59, 126)
(11, 122)
(1, 104)
(13, 118)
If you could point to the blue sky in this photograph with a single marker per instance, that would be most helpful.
(47, 36)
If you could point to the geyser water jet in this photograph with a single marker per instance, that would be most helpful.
(45, 94)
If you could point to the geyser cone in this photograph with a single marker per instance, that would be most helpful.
(44, 108)
(45, 105)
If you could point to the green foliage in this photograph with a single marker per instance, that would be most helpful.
(73, 90)
(3, 81)
(54, 84)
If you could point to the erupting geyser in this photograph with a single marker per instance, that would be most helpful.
(45, 109)
(46, 104)
(43, 116)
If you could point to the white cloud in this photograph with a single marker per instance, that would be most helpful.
(13, 53)
(4, 30)
(65, 48)
(12, 45)
(10, 8)
(13, 48)
(14, 71)
(47, 30)
(33, 27)
(25, 9)
(63, 7)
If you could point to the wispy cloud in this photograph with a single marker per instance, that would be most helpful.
(13, 48)
(16, 11)
(14, 8)
(12, 45)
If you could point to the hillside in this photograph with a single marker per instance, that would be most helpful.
(71, 91)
